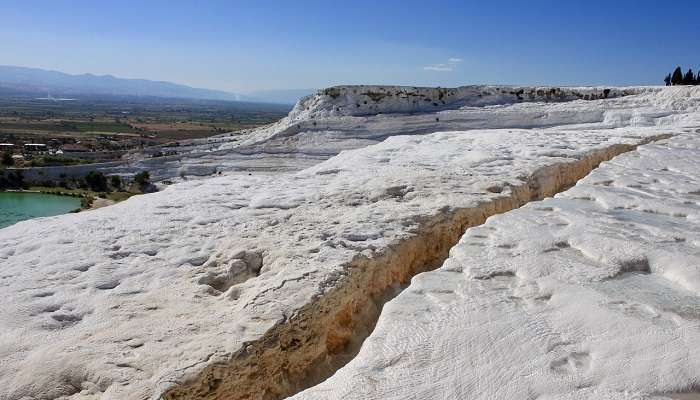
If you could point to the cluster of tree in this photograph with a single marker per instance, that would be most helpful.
(12, 180)
(97, 182)
(678, 78)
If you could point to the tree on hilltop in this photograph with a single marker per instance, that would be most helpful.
(677, 78)
(689, 78)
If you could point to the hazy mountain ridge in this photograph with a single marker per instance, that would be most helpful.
(34, 80)
(24, 80)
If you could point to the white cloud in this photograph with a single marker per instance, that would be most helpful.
(438, 67)
(444, 67)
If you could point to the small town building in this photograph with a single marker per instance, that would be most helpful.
(34, 147)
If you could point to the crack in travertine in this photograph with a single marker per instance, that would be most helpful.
(309, 346)
(590, 294)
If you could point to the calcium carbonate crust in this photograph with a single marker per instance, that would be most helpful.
(348, 117)
(592, 294)
(173, 291)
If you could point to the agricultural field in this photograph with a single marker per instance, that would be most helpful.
(119, 124)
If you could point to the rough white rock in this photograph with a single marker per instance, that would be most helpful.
(322, 125)
(373, 99)
(132, 300)
(592, 294)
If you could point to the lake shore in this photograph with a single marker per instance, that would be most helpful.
(89, 200)
(19, 206)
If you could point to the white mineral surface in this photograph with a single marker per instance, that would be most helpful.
(591, 294)
(176, 290)
(349, 117)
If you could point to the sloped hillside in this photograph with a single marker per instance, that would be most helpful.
(349, 117)
(260, 286)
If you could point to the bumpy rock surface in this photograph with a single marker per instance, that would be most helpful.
(371, 99)
(591, 294)
(259, 286)
(348, 117)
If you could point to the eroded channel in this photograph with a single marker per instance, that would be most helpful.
(327, 333)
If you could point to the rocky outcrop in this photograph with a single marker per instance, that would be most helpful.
(371, 100)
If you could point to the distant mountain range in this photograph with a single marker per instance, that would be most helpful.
(23, 80)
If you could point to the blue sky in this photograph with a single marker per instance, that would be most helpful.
(256, 45)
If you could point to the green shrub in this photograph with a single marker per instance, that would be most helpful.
(96, 181)
(115, 181)
(142, 178)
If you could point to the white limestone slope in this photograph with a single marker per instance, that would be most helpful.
(593, 294)
(188, 292)
(348, 117)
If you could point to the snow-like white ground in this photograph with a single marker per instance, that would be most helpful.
(592, 294)
(129, 301)
(349, 117)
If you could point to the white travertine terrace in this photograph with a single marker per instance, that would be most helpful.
(262, 285)
(592, 294)
(348, 117)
